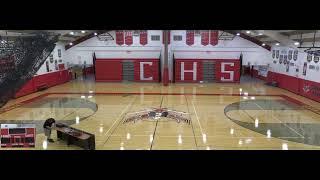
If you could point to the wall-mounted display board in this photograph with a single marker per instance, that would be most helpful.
(18, 135)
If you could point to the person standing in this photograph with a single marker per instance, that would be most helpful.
(48, 125)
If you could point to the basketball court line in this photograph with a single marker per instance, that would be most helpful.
(194, 135)
(9, 108)
(280, 121)
(119, 117)
(155, 128)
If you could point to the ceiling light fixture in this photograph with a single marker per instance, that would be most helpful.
(83, 32)
(248, 32)
(95, 34)
(71, 44)
(263, 44)
(71, 33)
(238, 34)
(277, 44)
(296, 43)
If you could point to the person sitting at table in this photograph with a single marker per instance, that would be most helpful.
(48, 125)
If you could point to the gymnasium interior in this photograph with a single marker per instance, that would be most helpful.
(160, 89)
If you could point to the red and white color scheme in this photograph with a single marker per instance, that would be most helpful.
(44, 80)
(146, 70)
(214, 37)
(128, 38)
(110, 70)
(190, 37)
(227, 70)
(191, 70)
(205, 37)
(188, 70)
(18, 135)
(143, 37)
(119, 38)
(292, 78)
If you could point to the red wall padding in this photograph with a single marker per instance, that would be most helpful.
(310, 89)
(188, 65)
(235, 68)
(28, 88)
(149, 71)
(61, 67)
(296, 85)
(48, 80)
(108, 70)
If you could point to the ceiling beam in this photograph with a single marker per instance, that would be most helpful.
(84, 38)
(284, 40)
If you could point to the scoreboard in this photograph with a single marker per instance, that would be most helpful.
(18, 135)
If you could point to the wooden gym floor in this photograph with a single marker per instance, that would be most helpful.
(267, 118)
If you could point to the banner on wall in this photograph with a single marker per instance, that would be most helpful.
(214, 37)
(190, 37)
(128, 38)
(143, 37)
(205, 37)
(287, 67)
(290, 55)
(119, 38)
(305, 66)
(273, 53)
(295, 55)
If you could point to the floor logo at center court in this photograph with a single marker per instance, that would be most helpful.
(157, 113)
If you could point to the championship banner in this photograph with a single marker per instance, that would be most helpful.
(190, 37)
(214, 37)
(143, 37)
(205, 37)
(119, 38)
(128, 38)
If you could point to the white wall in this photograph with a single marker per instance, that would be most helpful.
(84, 51)
(252, 53)
(43, 68)
(312, 75)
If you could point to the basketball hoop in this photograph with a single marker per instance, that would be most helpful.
(105, 37)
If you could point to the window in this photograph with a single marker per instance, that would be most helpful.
(155, 38)
(177, 38)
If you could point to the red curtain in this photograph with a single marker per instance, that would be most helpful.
(119, 37)
(128, 38)
(205, 37)
(190, 37)
(214, 37)
(143, 37)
